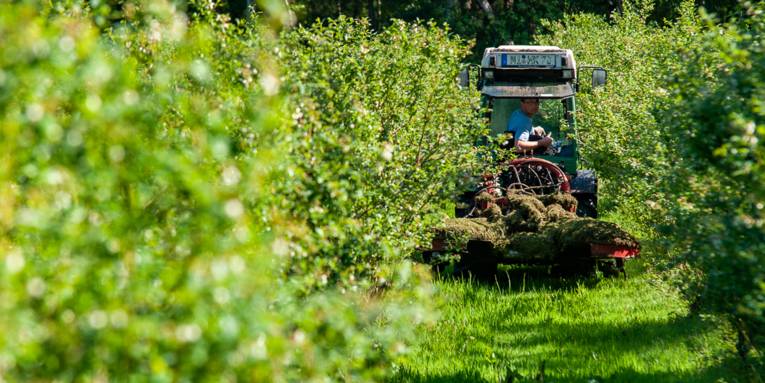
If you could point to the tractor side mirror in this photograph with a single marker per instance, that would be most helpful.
(599, 76)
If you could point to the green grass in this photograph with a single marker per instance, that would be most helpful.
(574, 330)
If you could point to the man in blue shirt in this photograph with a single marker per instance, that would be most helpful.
(520, 125)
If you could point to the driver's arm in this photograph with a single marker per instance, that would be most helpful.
(531, 145)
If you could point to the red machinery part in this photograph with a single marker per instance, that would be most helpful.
(600, 250)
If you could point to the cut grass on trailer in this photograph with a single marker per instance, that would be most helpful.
(535, 327)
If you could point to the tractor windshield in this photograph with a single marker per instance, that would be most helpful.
(551, 115)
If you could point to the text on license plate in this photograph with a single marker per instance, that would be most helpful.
(530, 60)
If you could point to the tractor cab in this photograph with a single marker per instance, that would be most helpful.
(510, 73)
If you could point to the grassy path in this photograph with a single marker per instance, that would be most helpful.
(528, 326)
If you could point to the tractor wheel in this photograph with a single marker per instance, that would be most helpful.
(477, 268)
(579, 267)
(612, 268)
(479, 260)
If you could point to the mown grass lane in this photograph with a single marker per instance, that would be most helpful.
(528, 325)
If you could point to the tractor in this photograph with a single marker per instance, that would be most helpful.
(509, 73)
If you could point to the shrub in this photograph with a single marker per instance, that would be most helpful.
(621, 138)
(125, 239)
(680, 126)
(140, 236)
(382, 134)
(717, 125)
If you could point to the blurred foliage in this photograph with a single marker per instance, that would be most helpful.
(489, 23)
(149, 172)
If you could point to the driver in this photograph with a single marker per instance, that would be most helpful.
(527, 138)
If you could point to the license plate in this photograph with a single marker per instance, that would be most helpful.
(529, 60)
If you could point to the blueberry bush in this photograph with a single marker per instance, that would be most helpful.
(184, 197)
(677, 139)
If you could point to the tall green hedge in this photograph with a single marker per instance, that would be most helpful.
(174, 207)
(716, 125)
(128, 249)
(621, 137)
(382, 137)
(676, 137)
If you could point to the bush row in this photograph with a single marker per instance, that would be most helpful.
(173, 207)
(716, 126)
(620, 133)
(383, 135)
(680, 127)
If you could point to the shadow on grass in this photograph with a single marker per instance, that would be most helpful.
(570, 353)
(624, 375)
(573, 345)
(526, 278)
(409, 376)
(711, 374)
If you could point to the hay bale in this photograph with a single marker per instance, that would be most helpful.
(541, 229)
(516, 201)
(484, 197)
(492, 213)
(525, 213)
(580, 232)
(483, 204)
(456, 232)
(555, 213)
(531, 246)
(567, 201)
(520, 221)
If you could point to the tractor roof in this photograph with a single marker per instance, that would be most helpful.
(493, 57)
(528, 48)
(542, 71)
